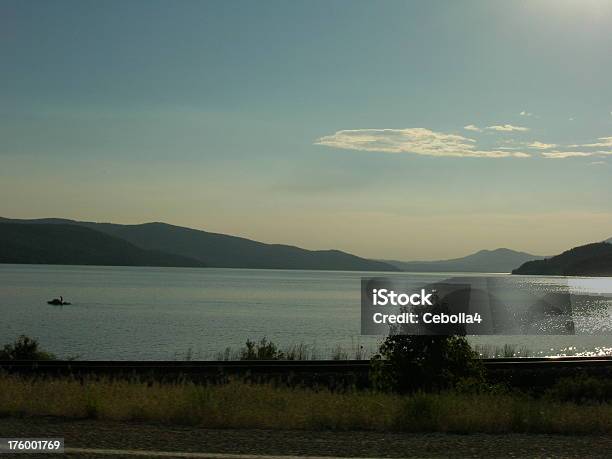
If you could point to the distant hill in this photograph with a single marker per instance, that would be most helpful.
(587, 260)
(223, 251)
(76, 245)
(486, 261)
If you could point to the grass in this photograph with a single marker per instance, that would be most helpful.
(356, 351)
(505, 351)
(267, 350)
(242, 405)
(25, 348)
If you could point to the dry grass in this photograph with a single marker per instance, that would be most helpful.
(241, 405)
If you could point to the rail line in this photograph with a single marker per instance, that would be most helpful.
(275, 366)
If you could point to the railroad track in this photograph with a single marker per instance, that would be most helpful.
(533, 374)
(274, 366)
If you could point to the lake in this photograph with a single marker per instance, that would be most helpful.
(142, 313)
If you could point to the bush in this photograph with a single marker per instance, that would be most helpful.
(264, 350)
(581, 390)
(24, 348)
(411, 363)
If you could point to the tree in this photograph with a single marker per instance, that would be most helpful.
(24, 348)
(407, 363)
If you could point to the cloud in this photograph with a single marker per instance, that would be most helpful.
(529, 114)
(507, 128)
(419, 141)
(566, 154)
(511, 144)
(574, 154)
(597, 163)
(603, 142)
(498, 127)
(422, 141)
(580, 150)
(541, 146)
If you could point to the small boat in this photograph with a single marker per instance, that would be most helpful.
(58, 301)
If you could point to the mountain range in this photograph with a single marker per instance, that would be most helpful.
(64, 244)
(63, 241)
(172, 245)
(486, 261)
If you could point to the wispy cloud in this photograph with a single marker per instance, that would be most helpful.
(422, 141)
(597, 163)
(511, 144)
(419, 141)
(574, 154)
(580, 149)
(507, 128)
(565, 154)
(497, 127)
(541, 145)
(603, 142)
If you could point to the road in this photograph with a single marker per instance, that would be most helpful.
(136, 439)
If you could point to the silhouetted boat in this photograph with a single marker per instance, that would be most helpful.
(58, 301)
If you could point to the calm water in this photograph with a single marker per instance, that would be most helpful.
(162, 313)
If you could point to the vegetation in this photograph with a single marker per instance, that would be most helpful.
(241, 405)
(268, 350)
(264, 350)
(407, 363)
(302, 351)
(24, 348)
(196, 247)
(456, 399)
(506, 351)
(75, 245)
(412, 363)
(585, 389)
(587, 260)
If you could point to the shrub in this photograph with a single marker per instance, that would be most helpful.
(24, 348)
(264, 350)
(581, 390)
(410, 363)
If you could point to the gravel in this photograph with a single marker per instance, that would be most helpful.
(155, 437)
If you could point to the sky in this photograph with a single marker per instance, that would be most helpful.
(396, 129)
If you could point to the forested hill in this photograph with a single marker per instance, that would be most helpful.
(587, 260)
(75, 245)
(221, 250)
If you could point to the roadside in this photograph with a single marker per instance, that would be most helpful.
(155, 437)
